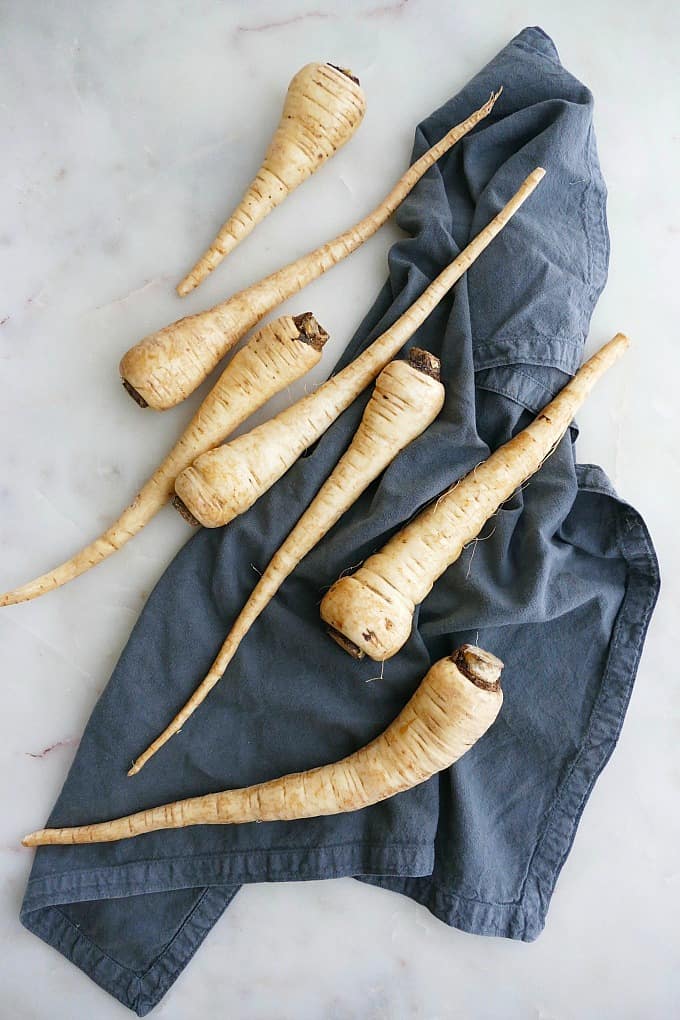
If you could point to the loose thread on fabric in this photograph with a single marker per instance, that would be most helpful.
(380, 677)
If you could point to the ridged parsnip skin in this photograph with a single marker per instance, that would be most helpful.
(226, 482)
(404, 402)
(323, 108)
(455, 704)
(276, 356)
(165, 367)
(373, 608)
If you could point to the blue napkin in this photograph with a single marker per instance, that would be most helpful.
(561, 587)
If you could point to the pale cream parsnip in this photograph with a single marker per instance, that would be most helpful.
(226, 481)
(407, 398)
(454, 705)
(323, 108)
(165, 367)
(275, 357)
(370, 612)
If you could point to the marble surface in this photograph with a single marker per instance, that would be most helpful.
(127, 131)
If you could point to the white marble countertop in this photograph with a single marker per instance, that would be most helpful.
(127, 130)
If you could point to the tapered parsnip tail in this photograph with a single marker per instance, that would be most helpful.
(455, 704)
(225, 482)
(407, 398)
(165, 367)
(323, 108)
(276, 356)
(371, 611)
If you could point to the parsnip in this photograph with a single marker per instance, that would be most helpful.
(455, 704)
(225, 482)
(277, 355)
(165, 367)
(371, 611)
(407, 398)
(323, 108)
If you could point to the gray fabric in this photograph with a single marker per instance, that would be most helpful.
(561, 589)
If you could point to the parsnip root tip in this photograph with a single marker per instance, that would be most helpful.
(623, 340)
(493, 99)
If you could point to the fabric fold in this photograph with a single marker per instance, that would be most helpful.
(561, 586)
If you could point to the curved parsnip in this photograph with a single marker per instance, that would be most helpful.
(323, 108)
(453, 707)
(407, 398)
(165, 367)
(371, 611)
(277, 355)
(225, 482)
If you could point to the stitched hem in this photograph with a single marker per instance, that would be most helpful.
(525, 919)
(238, 868)
(531, 349)
(216, 880)
(519, 386)
(610, 706)
(505, 920)
(139, 992)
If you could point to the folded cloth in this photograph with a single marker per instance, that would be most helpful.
(561, 586)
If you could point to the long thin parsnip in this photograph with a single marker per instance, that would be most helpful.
(165, 367)
(225, 482)
(371, 611)
(277, 355)
(455, 704)
(323, 108)
(407, 398)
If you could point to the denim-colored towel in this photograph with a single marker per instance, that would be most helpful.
(561, 588)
